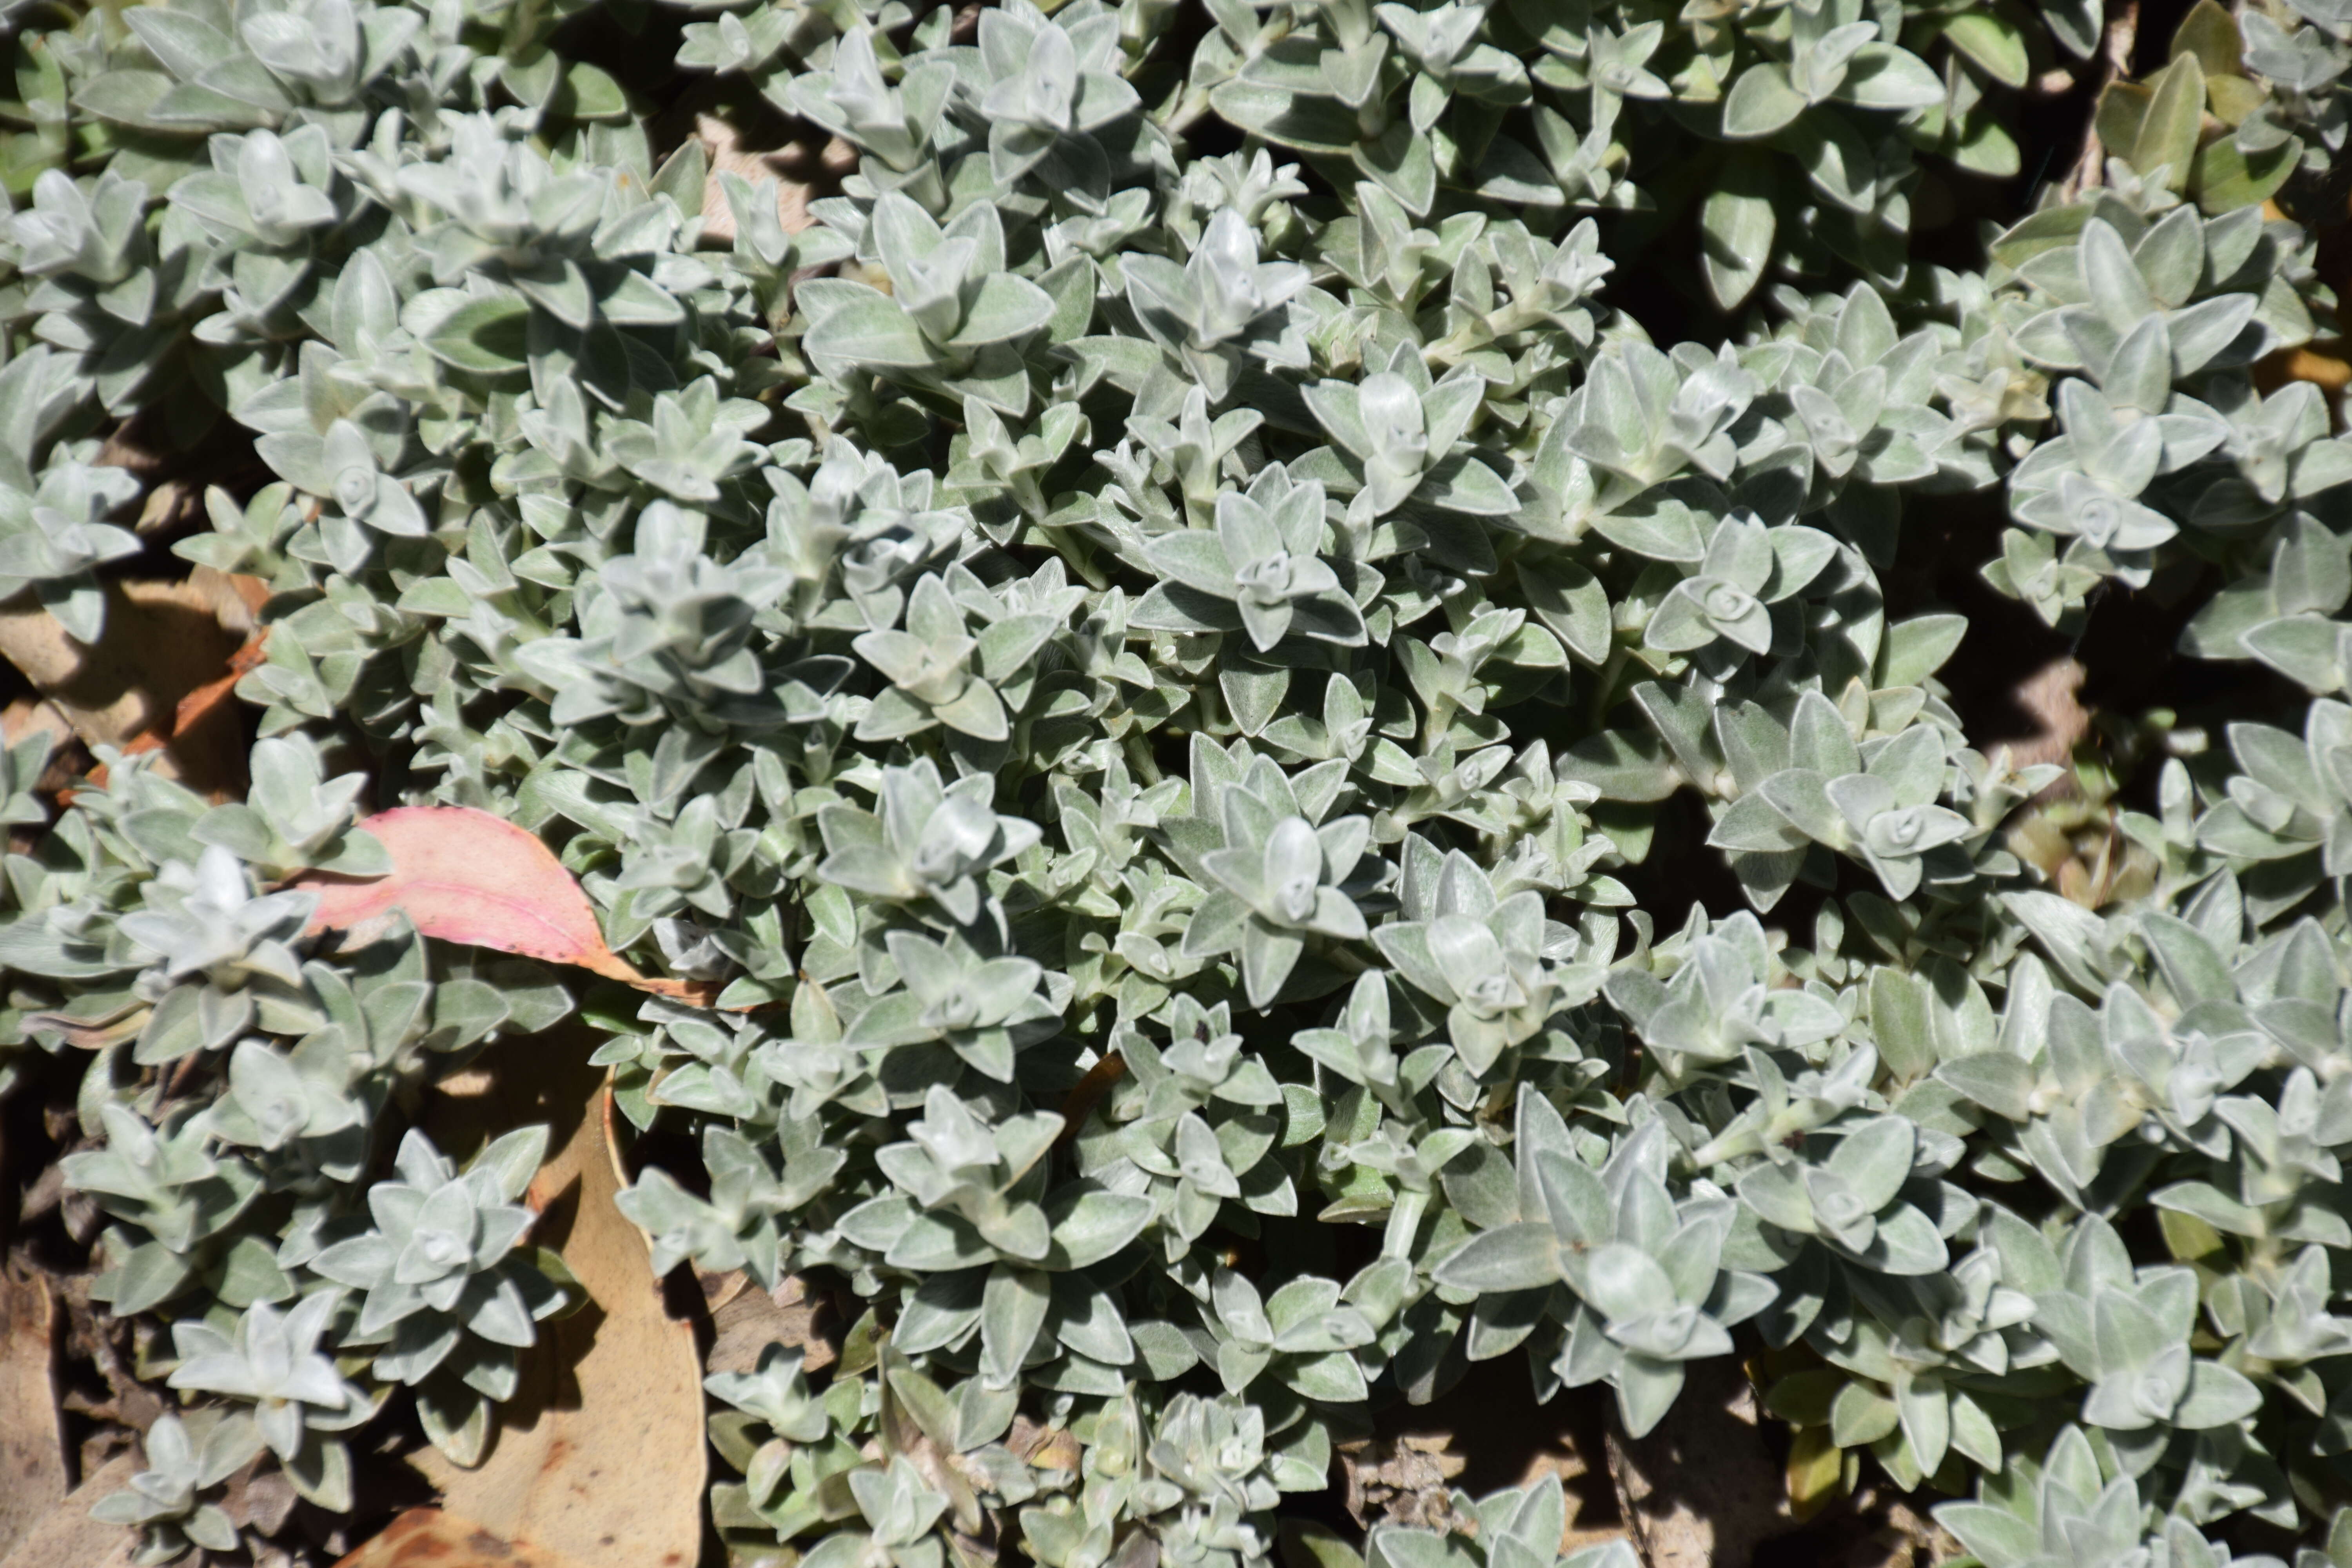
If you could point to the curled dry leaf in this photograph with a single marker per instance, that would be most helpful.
(462, 874)
(89, 1037)
(1415, 1455)
(1405, 1479)
(601, 1454)
(427, 1535)
(260, 1498)
(1043, 1447)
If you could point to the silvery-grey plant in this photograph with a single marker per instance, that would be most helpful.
(271, 1360)
(443, 1283)
(57, 534)
(166, 1502)
(1164, 688)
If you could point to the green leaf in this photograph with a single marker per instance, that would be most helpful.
(2048, 229)
(1985, 146)
(2202, 1200)
(1918, 647)
(1927, 1420)
(1882, 76)
(1335, 1378)
(1322, 125)
(2167, 134)
(859, 325)
(2227, 178)
(1466, 485)
(485, 336)
(1752, 824)
(2122, 110)
(1004, 307)
(1089, 1225)
(1861, 1415)
(1900, 1021)
(2304, 648)
(1819, 739)
(1737, 223)
(1875, 1159)
(2217, 1397)
(1760, 101)
(1571, 602)
(1997, 1537)
(1994, 43)
(2002, 1083)
(1622, 766)
(683, 176)
(1514, 1257)
(1802, 796)
(595, 95)
(1307, 1545)
(2210, 32)
(1255, 696)
(123, 97)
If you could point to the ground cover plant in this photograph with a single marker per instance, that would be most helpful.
(1259, 701)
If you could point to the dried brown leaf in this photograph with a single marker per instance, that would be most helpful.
(745, 1320)
(30, 716)
(601, 1454)
(1703, 1490)
(32, 1476)
(428, 1537)
(163, 642)
(66, 1537)
(1402, 1479)
(1489, 1422)
(259, 1497)
(1082, 1096)
(2327, 364)
(1043, 1447)
(803, 170)
(2049, 697)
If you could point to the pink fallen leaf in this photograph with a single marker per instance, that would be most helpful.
(463, 875)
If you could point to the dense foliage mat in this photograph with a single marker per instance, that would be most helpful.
(1159, 670)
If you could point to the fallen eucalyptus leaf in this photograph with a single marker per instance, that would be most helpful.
(447, 1540)
(601, 1454)
(745, 1320)
(465, 876)
(32, 1444)
(723, 144)
(163, 642)
(66, 1537)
